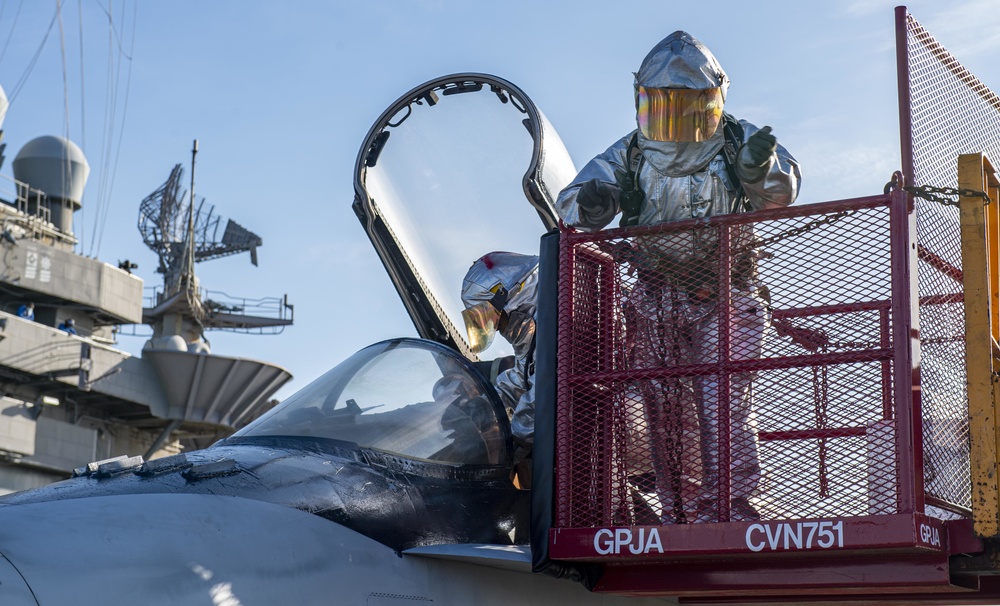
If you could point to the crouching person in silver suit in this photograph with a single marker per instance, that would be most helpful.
(499, 294)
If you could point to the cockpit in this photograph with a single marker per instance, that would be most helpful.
(405, 397)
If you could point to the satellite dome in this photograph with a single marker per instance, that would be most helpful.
(166, 343)
(54, 165)
(199, 347)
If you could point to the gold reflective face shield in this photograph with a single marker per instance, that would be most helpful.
(678, 114)
(481, 325)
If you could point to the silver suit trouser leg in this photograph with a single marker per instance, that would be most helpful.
(748, 319)
(663, 339)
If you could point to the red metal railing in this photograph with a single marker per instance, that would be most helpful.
(668, 397)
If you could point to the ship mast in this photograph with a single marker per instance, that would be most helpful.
(188, 278)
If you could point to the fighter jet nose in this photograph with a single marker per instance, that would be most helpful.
(170, 549)
(13, 589)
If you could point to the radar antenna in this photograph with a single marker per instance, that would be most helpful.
(183, 230)
(164, 223)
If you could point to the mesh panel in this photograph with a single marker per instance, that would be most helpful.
(951, 113)
(685, 397)
(737, 368)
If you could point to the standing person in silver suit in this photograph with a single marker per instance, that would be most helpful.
(689, 160)
(499, 293)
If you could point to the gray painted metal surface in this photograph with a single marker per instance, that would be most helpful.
(200, 549)
(212, 389)
(88, 283)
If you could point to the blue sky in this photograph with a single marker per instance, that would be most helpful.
(281, 95)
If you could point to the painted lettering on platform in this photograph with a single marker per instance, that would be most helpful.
(777, 536)
(622, 540)
(930, 535)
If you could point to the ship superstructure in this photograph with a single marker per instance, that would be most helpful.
(68, 393)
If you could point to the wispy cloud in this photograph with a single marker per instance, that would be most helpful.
(968, 29)
(858, 171)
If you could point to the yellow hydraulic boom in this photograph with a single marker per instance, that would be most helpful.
(981, 278)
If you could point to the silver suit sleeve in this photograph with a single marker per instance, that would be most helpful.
(609, 167)
(780, 184)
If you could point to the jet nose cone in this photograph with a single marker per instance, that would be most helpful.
(13, 590)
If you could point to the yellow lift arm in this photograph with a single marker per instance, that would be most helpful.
(981, 280)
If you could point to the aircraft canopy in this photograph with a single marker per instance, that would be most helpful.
(406, 397)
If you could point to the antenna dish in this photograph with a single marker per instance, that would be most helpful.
(163, 223)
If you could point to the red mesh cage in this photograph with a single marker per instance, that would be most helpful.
(688, 393)
(655, 340)
(779, 382)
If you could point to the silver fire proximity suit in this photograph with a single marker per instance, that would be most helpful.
(517, 275)
(684, 177)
